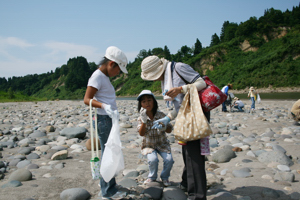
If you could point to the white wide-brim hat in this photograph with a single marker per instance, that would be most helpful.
(153, 67)
(115, 54)
(144, 92)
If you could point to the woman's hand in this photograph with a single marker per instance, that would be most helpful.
(174, 92)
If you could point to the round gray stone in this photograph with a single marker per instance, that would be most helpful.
(270, 193)
(13, 183)
(154, 192)
(275, 156)
(20, 175)
(174, 193)
(23, 163)
(223, 155)
(242, 173)
(32, 156)
(128, 183)
(77, 132)
(75, 194)
(33, 166)
(285, 176)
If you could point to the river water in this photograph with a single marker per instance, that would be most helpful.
(271, 96)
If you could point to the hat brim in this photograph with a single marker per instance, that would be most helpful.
(123, 69)
(153, 77)
(140, 96)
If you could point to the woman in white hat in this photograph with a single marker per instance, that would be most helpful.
(100, 89)
(252, 94)
(174, 78)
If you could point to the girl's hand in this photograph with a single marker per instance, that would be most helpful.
(143, 115)
(174, 92)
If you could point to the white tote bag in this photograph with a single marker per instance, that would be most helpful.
(258, 98)
(112, 161)
(95, 162)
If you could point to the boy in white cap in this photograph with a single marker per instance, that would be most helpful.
(100, 89)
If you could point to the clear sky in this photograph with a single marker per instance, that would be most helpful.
(37, 36)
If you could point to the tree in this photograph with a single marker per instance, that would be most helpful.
(228, 31)
(64, 70)
(93, 67)
(10, 93)
(157, 51)
(198, 47)
(215, 40)
(222, 35)
(3, 83)
(186, 51)
(167, 54)
(247, 28)
(143, 54)
(79, 73)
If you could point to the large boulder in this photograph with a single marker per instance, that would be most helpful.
(75, 194)
(275, 156)
(21, 175)
(223, 155)
(76, 132)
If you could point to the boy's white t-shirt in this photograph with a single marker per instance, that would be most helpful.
(106, 92)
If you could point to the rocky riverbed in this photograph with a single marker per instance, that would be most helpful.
(43, 153)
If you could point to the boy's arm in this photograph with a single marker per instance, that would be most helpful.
(89, 94)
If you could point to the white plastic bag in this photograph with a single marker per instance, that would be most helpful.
(112, 161)
(95, 162)
(258, 98)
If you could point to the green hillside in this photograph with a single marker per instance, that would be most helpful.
(258, 52)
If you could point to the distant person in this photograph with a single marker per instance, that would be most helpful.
(295, 111)
(237, 103)
(154, 141)
(159, 69)
(252, 94)
(100, 89)
(225, 91)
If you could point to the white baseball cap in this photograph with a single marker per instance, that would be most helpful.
(115, 54)
(145, 92)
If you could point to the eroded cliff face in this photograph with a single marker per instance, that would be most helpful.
(245, 46)
(215, 59)
(277, 33)
(207, 63)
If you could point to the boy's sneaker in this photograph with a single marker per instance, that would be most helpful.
(148, 180)
(118, 195)
(166, 183)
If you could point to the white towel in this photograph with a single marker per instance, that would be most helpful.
(167, 83)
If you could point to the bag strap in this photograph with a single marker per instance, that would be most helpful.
(186, 82)
(174, 69)
(92, 131)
